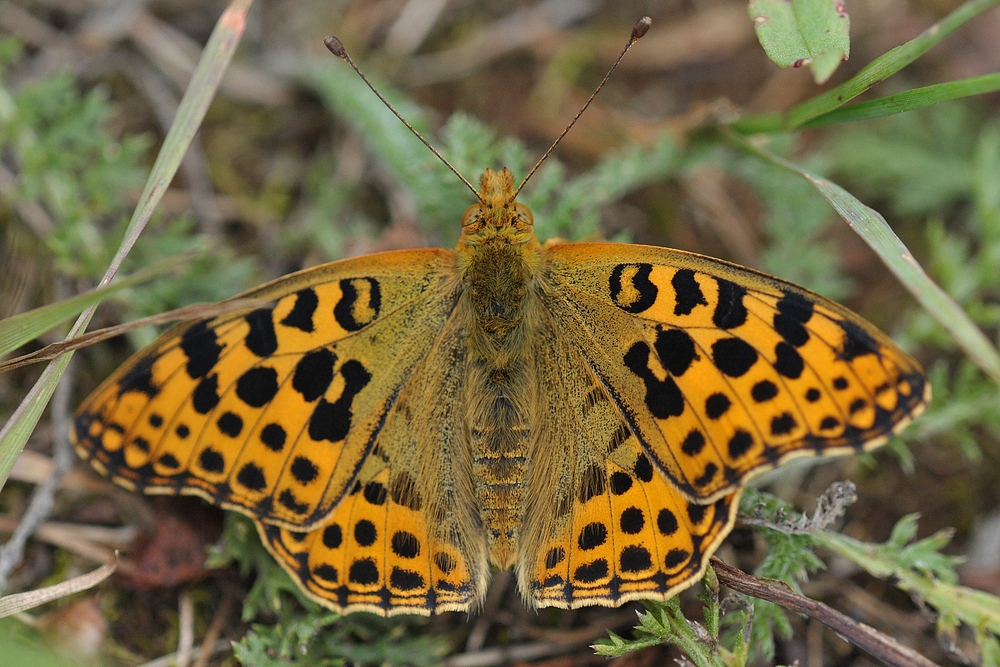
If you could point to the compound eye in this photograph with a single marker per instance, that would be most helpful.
(523, 214)
(471, 215)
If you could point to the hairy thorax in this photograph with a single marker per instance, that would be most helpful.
(499, 258)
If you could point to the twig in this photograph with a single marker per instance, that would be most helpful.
(168, 660)
(214, 630)
(879, 645)
(185, 625)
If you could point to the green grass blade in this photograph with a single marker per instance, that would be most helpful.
(875, 72)
(200, 91)
(18, 329)
(876, 232)
(910, 100)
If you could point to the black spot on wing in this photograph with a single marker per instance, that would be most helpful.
(261, 339)
(635, 559)
(783, 424)
(717, 405)
(729, 311)
(733, 356)
(301, 315)
(687, 292)
(794, 311)
(139, 378)
(359, 304)
(332, 536)
(643, 469)
(202, 349)
(252, 477)
(365, 533)
(789, 362)
(591, 572)
(676, 350)
(363, 571)
(375, 493)
(663, 397)
(211, 461)
(206, 395)
(332, 421)
(314, 373)
(406, 580)
(273, 436)
(444, 562)
(857, 342)
(764, 391)
(230, 424)
(707, 476)
(636, 293)
(620, 483)
(592, 536)
(303, 470)
(632, 521)
(676, 557)
(693, 443)
(740, 443)
(258, 386)
(405, 544)
(288, 500)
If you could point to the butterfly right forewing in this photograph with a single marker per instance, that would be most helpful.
(272, 411)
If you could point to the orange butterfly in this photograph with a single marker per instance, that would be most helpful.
(586, 413)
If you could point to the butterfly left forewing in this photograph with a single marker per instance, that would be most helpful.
(722, 372)
(272, 411)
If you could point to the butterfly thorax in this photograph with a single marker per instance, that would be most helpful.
(499, 257)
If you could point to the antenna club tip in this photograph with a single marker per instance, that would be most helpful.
(336, 47)
(641, 27)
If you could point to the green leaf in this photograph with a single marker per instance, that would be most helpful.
(910, 100)
(873, 73)
(920, 569)
(803, 32)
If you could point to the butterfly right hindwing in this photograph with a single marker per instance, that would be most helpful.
(407, 538)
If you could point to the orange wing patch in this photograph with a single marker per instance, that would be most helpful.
(631, 535)
(375, 553)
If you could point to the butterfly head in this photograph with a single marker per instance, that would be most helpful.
(497, 214)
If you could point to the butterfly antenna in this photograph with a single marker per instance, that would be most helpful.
(640, 28)
(336, 47)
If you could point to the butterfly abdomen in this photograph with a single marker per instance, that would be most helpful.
(499, 408)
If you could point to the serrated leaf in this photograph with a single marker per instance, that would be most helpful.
(803, 32)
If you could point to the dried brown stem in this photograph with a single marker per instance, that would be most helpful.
(877, 644)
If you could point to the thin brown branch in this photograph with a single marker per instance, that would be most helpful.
(877, 644)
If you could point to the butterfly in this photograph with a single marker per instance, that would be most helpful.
(587, 413)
